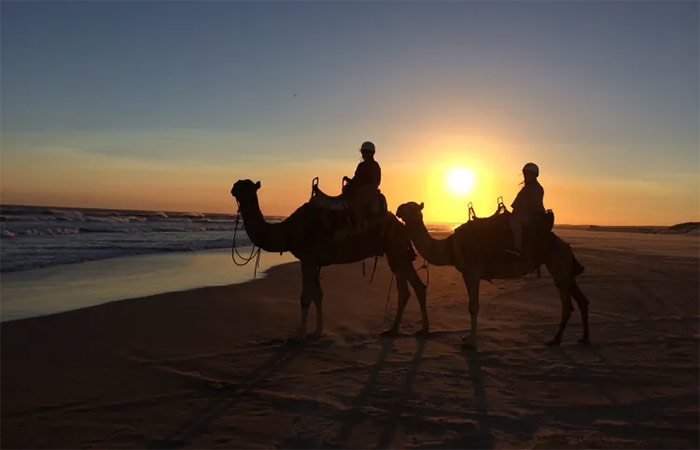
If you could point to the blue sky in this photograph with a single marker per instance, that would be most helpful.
(607, 90)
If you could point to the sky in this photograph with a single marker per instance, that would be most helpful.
(163, 105)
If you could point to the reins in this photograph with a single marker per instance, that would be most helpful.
(374, 269)
(426, 266)
(254, 252)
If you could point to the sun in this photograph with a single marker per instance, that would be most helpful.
(460, 180)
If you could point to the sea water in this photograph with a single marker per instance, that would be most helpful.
(59, 288)
(59, 259)
(35, 236)
(56, 259)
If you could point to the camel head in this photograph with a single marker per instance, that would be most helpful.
(410, 213)
(244, 189)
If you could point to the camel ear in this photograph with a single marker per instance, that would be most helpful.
(257, 185)
(421, 206)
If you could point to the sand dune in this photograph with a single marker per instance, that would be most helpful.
(210, 368)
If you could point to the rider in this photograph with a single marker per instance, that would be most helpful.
(527, 205)
(361, 190)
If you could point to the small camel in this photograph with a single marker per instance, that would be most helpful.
(303, 234)
(560, 261)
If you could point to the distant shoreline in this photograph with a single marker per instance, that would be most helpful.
(681, 228)
(591, 227)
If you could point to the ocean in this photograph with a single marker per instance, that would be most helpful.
(33, 237)
(56, 259)
(37, 236)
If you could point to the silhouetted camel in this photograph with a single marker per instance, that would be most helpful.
(302, 234)
(559, 260)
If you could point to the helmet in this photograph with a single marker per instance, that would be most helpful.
(532, 168)
(367, 147)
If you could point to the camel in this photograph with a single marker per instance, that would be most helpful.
(304, 235)
(559, 259)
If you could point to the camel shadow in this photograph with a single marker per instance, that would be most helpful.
(385, 440)
(355, 414)
(484, 437)
(428, 336)
(480, 436)
(197, 424)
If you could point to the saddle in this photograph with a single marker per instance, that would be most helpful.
(336, 219)
(487, 240)
(340, 203)
(321, 200)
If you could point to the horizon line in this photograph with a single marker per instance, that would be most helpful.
(2, 205)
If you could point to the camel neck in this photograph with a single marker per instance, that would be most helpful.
(435, 251)
(270, 237)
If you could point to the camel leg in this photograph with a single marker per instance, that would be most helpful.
(318, 303)
(471, 280)
(420, 290)
(402, 287)
(582, 302)
(309, 278)
(566, 308)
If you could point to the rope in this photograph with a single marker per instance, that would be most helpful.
(389, 293)
(426, 266)
(254, 252)
(374, 268)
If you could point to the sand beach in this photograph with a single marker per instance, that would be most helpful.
(210, 368)
(141, 142)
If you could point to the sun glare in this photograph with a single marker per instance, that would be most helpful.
(460, 180)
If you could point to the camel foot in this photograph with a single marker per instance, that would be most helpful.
(315, 335)
(584, 341)
(468, 345)
(422, 334)
(554, 343)
(295, 340)
(389, 333)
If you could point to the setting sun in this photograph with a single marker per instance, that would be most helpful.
(460, 180)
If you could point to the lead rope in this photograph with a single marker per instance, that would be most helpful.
(426, 266)
(254, 252)
(374, 269)
(389, 293)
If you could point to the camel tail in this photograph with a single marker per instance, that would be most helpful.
(578, 267)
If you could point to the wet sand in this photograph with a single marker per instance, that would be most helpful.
(49, 290)
(209, 367)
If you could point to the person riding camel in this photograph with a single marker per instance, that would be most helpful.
(526, 206)
(361, 189)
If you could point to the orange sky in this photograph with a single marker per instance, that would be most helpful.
(135, 105)
(128, 183)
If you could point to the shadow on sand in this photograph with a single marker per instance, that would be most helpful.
(229, 396)
(355, 415)
(401, 408)
(386, 439)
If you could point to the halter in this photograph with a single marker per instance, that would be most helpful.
(254, 252)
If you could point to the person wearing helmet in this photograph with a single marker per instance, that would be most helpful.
(361, 189)
(368, 172)
(527, 204)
